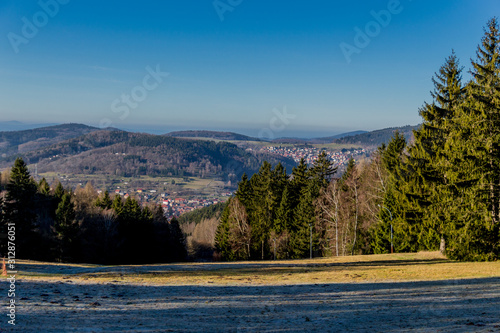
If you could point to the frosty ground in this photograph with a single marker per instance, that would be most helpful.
(330, 295)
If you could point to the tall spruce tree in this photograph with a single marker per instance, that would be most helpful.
(429, 208)
(474, 150)
(66, 229)
(322, 170)
(222, 244)
(20, 208)
(263, 206)
(394, 200)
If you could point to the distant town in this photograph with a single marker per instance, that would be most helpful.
(310, 154)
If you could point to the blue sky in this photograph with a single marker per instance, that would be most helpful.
(270, 68)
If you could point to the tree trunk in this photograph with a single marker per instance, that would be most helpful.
(442, 246)
(356, 218)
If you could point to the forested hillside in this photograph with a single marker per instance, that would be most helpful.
(18, 142)
(378, 137)
(114, 152)
(228, 136)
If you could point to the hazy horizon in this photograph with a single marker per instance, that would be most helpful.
(15, 125)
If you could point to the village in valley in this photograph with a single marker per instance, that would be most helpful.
(182, 200)
(310, 154)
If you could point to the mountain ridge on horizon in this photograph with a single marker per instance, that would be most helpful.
(39, 137)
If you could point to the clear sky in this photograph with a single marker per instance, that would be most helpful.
(274, 68)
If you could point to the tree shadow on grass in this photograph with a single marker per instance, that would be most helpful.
(457, 305)
(69, 269)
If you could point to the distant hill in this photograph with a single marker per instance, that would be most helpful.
(338, 136)
(376, 138)
(292, 141)
(226, 136)
(19, 142)
(114, 152)
(329, 139)
(19, 126)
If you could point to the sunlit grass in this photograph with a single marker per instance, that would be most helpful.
(374, 268)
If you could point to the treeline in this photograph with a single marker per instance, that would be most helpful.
(56, 224)
(273, 213)
(439, 192)
(444, 188)
(272, 208)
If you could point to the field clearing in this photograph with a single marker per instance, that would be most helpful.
(158, 183)
(199, 183)
(422, 266)
(422, 292)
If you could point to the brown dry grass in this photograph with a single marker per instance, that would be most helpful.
(420, 266)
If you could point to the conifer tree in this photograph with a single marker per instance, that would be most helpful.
(485, 92)
(474, 155)
(428, 210)
(66, 228)
(222, 245)
(117, 205)
(303, 219)
(20, 208)
(322, 170)
(59, 191)
(395, 200)
(263, 209)
(284, 213)
(244, 192)
(104, 202)
(178, 241)
(43, 187)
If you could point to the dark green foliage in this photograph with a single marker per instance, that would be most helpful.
(104, 202)
(474, 149)
(20, 209)
(69, 227)
(66, 229)
(273, 208)
(222, 244)
(177, 242)
(201, 214)
(444, 188)
(59, 191)
(117, 205)
(43, 187)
